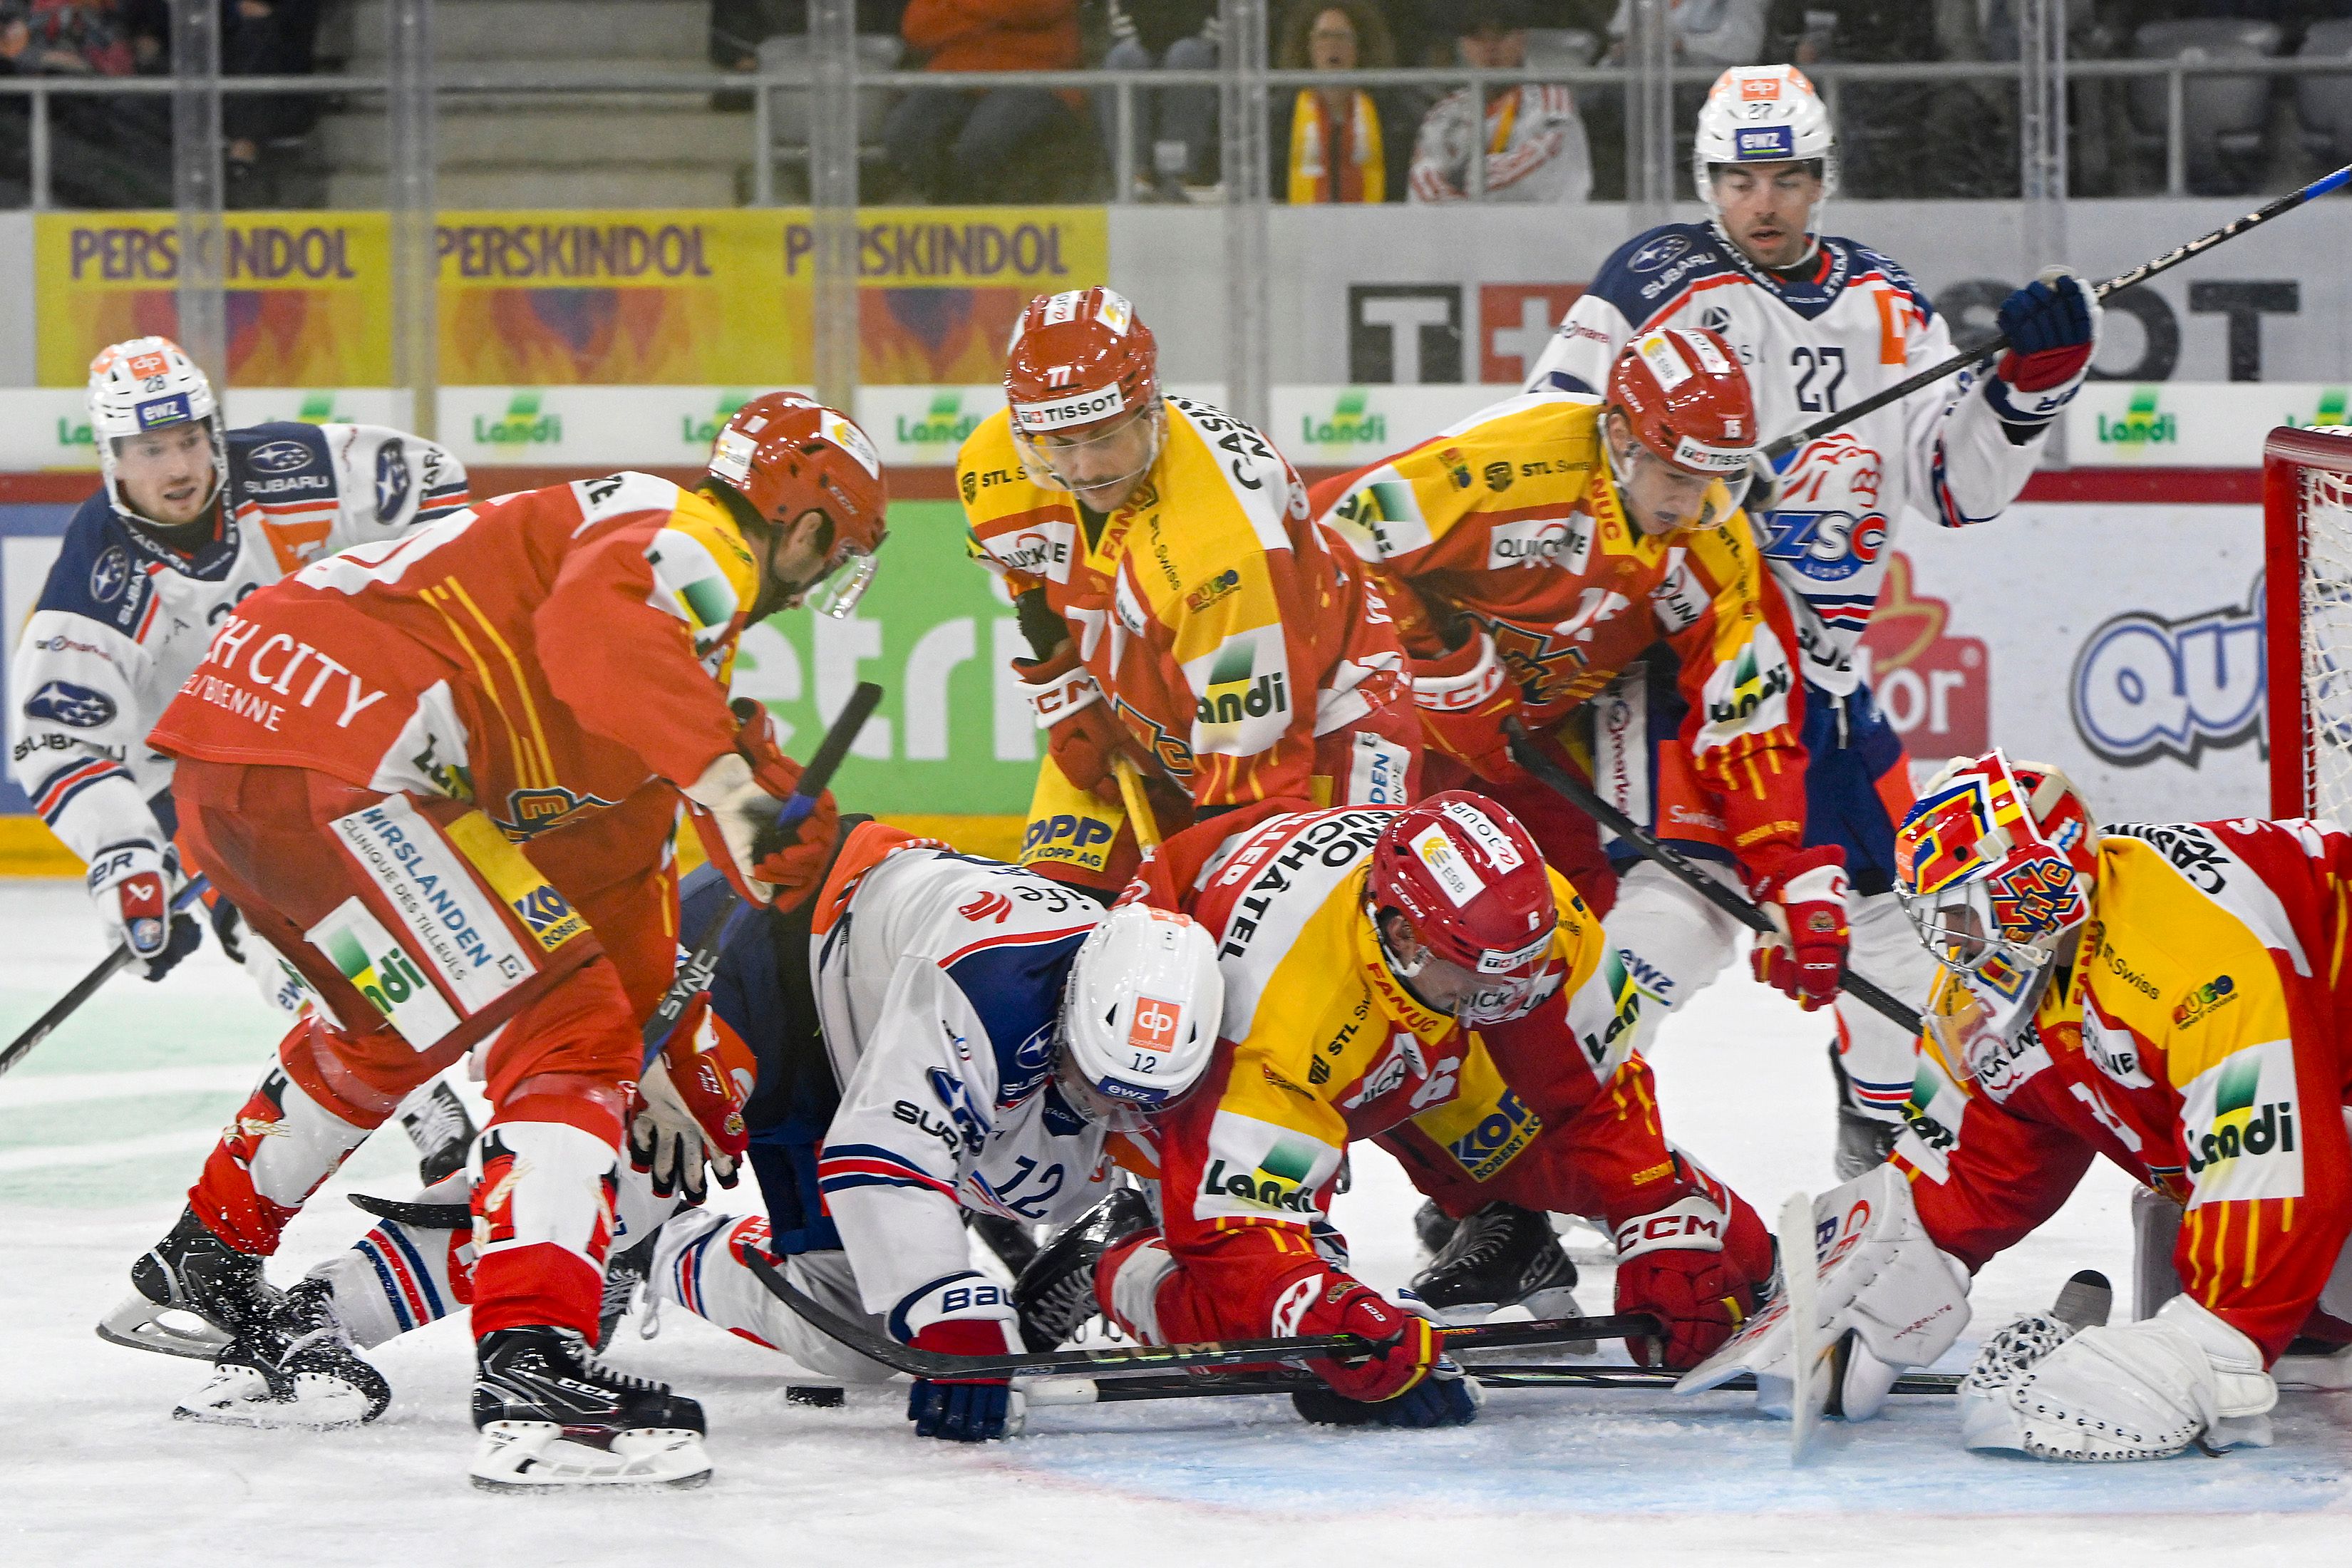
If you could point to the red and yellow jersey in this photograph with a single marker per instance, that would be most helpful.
(1224, 631)
(2197, 1040)
(1509, 520)
(1321, 1046)
(541, 654)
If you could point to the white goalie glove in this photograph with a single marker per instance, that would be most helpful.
(1888, 1298)
(2140, 1391)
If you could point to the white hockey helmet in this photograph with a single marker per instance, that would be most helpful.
(1762, 114)
(1140, 1016)
(142, 385)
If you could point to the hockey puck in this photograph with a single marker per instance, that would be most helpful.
(822, 1396)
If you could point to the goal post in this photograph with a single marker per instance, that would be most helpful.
(2307, 616)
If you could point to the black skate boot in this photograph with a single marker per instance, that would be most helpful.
(623, 1272)
(294, 1368)
(552, 1415)
(1056, 1293)
(1502, 1255)
(191, 1274)
(1432, 1226)
(444, 1134)
(1008, 1238)
(1863, 1143)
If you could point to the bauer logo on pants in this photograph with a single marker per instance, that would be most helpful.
(379, 969)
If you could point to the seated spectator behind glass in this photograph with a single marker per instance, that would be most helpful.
(105, 151)
(1338, 143)
(958, 144)
(1178, 124)
(1712, 33)
(1535, 144)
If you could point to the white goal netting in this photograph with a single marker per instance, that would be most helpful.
(2324, 523)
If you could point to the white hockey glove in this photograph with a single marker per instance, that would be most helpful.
(2138, 1392)
(667, 1140)
(1884, 1281)
(131, 883)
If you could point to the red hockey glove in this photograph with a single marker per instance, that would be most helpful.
(1408, 1344)
(1081, 735)
(1805, 896)
(738, 797)
(1464, 696)
(2053, 326)
(1674, 1266)
(687, 1116)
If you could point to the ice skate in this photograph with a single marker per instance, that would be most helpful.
(194, 1294)
(552, 1416)
(1501, 1256)
(436, 1123)
(295, 1368)
(1055, 1294)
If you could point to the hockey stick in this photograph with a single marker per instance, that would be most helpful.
(1138, 806)
(879, 1347)
(693, 976)
(1120, 1391)
(88, 985)
(1801, 1275)
(1583, 797)
(2000, 340)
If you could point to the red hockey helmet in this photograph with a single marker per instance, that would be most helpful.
(1689, 402)
(786, 454)
(1081, 369)
(1469, 880)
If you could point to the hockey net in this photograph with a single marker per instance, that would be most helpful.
(2307, 592)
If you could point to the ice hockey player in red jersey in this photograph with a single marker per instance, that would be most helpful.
(2171, 996)
(1419, 976)
(440, 774)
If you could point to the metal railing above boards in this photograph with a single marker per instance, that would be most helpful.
(2169, 116)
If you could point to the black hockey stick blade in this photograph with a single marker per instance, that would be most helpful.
(1497, 1375)
(1985, 349)
(1242, 1385)
(1581, 796)
(423, 1216)
(1116, 1359)
(693, 976)
(87, 986)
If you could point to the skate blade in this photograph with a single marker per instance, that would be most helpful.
(141, 1325)
(535, 1457)
(241, 1397)
(2319, 1371)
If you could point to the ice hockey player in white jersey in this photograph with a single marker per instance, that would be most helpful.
(190, 518)
(1820, 322)
(933, 1033)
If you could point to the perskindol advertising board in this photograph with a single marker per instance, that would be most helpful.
(2122, 642)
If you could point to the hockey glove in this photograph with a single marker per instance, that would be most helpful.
(1805, 896)
(1081, 735)
(2052, 326)
(737, 799)
(1466, 697)
(132, 884)
(1443, 1398)
(687, 1115)
(1406, 1345)
(965, 1314)
(2137, 1392)
(1675, 1265)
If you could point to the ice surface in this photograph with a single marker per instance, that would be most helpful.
(104, 1127)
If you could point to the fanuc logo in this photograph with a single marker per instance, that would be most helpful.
(522, 425)
(2146, 687)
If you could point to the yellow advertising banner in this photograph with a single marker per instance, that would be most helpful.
(554, 298)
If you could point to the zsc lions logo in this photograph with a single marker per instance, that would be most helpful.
(108, 575)
(1658, 252)
(279, 458)
(1715, 319)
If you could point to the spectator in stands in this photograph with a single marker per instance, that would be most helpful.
(263, 132)
(1716, 34)
(738, 27)
(1339, 143)
(1178, 124)
(104, 152)
(1534, 142)
(1906, 140)
(953, 143)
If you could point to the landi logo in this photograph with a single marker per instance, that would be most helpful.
(945, 424)
(522, 425)
(1935, 690)
(701, 433)
(73, 431)
(1350, 424)
(2335, 404)
(2143, 424)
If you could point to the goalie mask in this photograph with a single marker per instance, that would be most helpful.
(1140, 1016)
(1993, 866)
(141, 385)
(1763, 114)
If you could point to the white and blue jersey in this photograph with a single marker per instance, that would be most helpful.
(1849, 324)
(123, 619)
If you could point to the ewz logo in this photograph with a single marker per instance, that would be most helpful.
(2146, 687)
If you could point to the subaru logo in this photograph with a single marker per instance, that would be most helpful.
(1658, 252)
(109, 575)
(279, 458)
